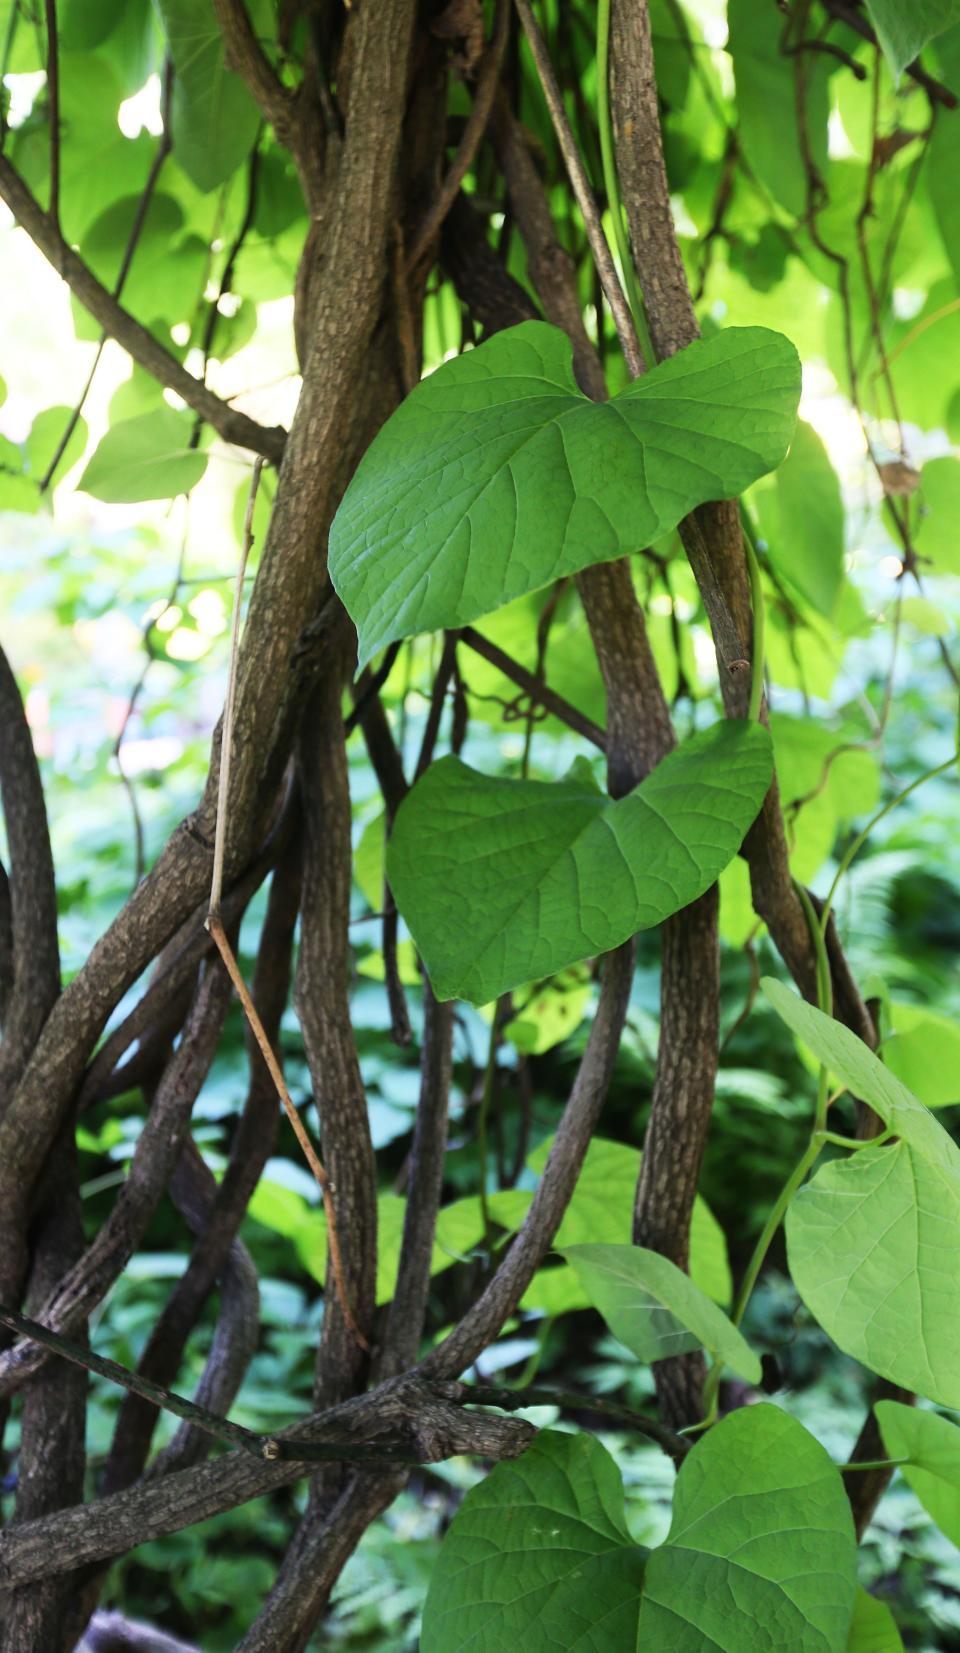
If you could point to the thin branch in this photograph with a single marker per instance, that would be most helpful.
(269, 1447)
(539, 692)
(246, 57)
(157, 1150)
(405, 1318)
(619, 308)
(35, 953)
(140, 344)
(470, 141)
(484, 1320)
(568, 1400)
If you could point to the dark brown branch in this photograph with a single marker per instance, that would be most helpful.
(405, 1318)
(326, 1444)
(483, 1321)
(51, 1456)
(35, 952)
(490, 293)
(568, 1400)
(147, 351)
(408, 1419)
(237, 1332)
(325, 1541)
(160, 1010)
(613, 292)
(673, 1148)
(251, 1147)
(323, 1006)
(246, 57)
(155, 1155)
(470, 141)
(712, 535)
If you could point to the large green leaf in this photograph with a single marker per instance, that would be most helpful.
(874, 1249)
(539, 1558)
(874, 1240)
(932, 1444)
(655, 1309)
(761, 1554)
(497, 475)
(503, 882)
(215, 120)
(145, 458)
(873, 1629)
(904, 29)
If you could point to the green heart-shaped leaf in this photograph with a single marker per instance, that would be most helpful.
(932, 1444)
(497, 475)
(874, 1249)
(874, 1240)
(539, 1557)
(761, 1551)
(655, 1309)
(145, 458)
(503, 882)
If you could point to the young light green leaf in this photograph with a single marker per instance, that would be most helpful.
(655, 1309)
(933, 1445)
(761, 1551)
(873, 1244)
(539, 1558)
(873, 1629)
(904, 30)
(46, 434)
(848, 1058)
(497, 475)
(215, 120)
(145, 458)
(503, 882)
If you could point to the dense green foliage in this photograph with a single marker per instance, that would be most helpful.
(812, 174)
